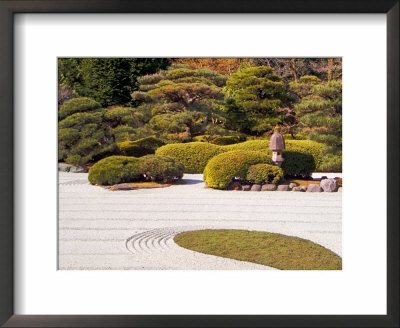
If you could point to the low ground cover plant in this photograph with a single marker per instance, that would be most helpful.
(120, 169)
(271, 249)
(264, 173)
(222, 168)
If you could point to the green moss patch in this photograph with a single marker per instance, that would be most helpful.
(271, 249)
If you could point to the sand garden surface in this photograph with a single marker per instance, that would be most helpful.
(101, 229)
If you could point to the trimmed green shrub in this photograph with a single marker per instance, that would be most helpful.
(264, 173)
(331, 163)
(303, 146)
(115, 169)
(161, 168)
(298, 164)
(140, 147)
(222, 168)
(194, 155)
(77, 105)
(226, 140)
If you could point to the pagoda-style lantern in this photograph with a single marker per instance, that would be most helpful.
(277, 145)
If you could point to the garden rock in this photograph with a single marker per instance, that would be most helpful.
(268, 187)
(283, 188)
(234, 185)
(297, 188)
(339, 189)
(314, 188)
(329, 185)
(293, 184)
(124, 187)
(78, 169)
(246, 187)
(303, 188)
(64, 167)
(256, 187)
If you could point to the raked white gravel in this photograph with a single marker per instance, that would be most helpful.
(101, 229)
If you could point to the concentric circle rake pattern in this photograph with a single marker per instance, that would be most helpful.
(155, 240)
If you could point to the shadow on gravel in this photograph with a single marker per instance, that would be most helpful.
(192, 181)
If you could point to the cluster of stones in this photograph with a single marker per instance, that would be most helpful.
(326, 185)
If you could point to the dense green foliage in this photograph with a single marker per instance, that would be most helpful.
(182, 101)
(194, 155)
(222, 168)
(115, 169)
(83, 137)
(253, 94)
(264, 173)
(120, 169)
(153, 101)
(77, 105)
(140, 147)
(161, 168)
(110, 81)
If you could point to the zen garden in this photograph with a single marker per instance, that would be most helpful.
(200, 163)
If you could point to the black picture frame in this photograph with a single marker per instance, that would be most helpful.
(10, 7)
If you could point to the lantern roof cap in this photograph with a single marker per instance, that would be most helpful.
(277, 142)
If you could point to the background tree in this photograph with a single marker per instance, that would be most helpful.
(225, 66)
(110, 81)
(253, 96)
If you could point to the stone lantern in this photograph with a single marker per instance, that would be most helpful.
(277, 145)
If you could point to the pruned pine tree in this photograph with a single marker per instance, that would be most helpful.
(253, 95)
(182, 101)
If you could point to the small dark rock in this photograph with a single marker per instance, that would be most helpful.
(78, 169)
(246, 187)
(255, 187)
(268, 187)
(303, 188)
(324, 177)
(314, 188)
(283, 188)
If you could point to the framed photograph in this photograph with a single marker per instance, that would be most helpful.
(166, 163)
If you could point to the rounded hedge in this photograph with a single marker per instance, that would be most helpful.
(140, 147)
(76, 105)
(264, 173)
(161, 168)
(194, 155)
(298, 164)
(222, 168)
(115, 169)
(226, 140)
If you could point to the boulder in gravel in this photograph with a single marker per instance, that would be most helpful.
(293, 184)
(78, 169)
(234, 185)
(314, 188)
(255, 187)
(283, 188)
(297, 188)
(246, 187)
(303, 188)
(329, 185)
(268, 187)
(64, 167)
(324, 177)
